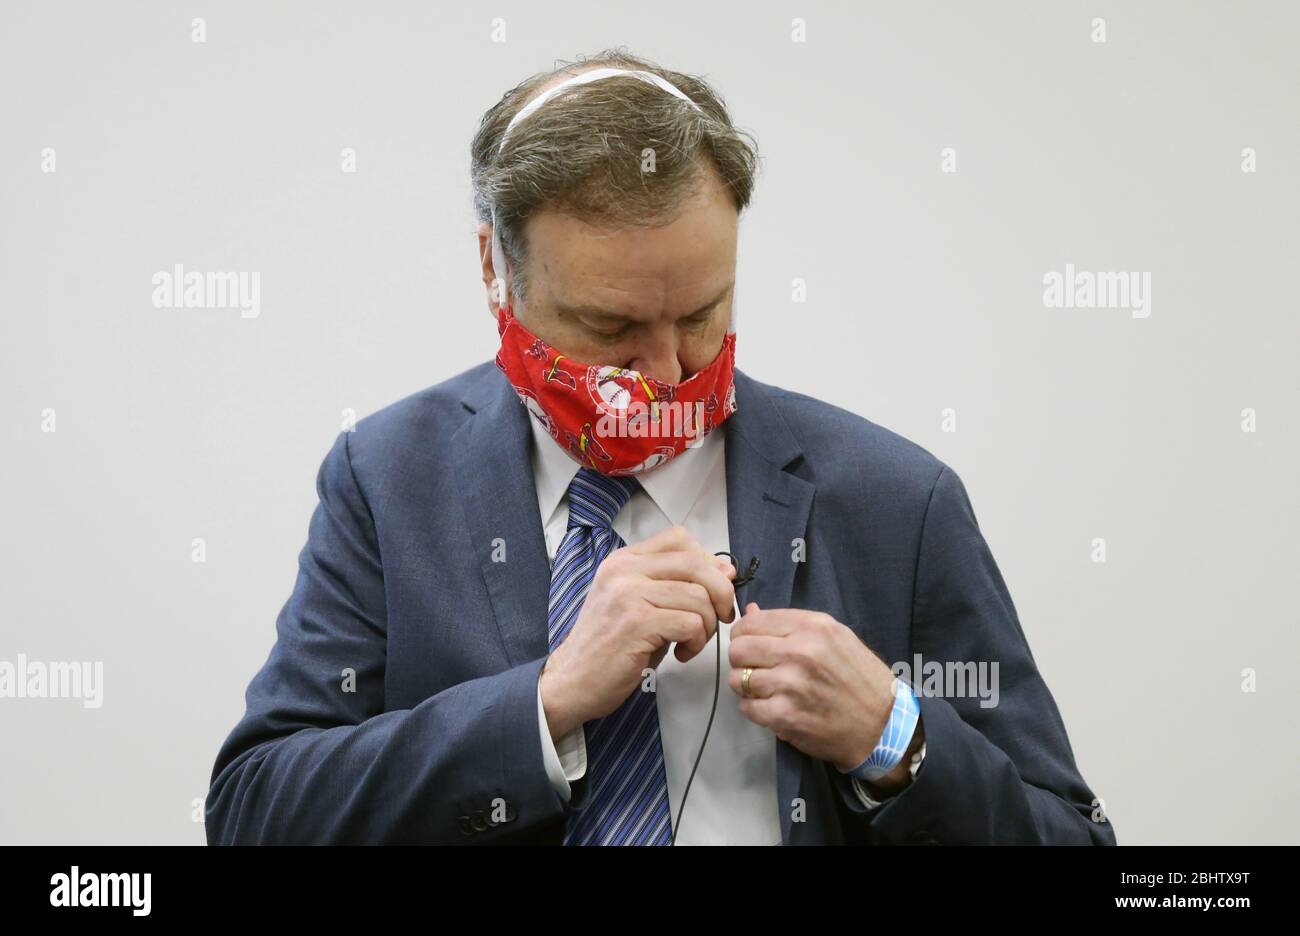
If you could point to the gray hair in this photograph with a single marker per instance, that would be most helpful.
(581, 153)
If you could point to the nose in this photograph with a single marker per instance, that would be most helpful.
(657, 356)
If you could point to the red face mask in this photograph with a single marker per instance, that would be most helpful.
(614, 420)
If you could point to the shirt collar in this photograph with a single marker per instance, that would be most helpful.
(674, 487)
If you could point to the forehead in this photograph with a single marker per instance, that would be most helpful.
(638, 272)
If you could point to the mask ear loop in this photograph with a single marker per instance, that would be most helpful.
(731, 327)
(741, 579)
(499, 263)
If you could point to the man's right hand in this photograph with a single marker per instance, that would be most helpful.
(665, 589)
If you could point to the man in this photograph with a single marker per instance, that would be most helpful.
(477, 648)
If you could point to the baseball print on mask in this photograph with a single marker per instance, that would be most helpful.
(612, 419)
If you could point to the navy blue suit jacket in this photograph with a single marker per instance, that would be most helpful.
(397, 584)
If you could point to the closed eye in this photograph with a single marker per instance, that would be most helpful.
(606, 335)
(695, 322)
(699, 320)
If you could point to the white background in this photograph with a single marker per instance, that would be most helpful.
(924, 292)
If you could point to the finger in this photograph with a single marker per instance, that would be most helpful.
(685, 654)
(672, 625)
(763, 712)
(679, 539)
(762, 682)
(755, 650)
(777, 622)
(685, 596)
(750, 608)
(692, 567)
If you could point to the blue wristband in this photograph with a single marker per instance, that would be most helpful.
(896, 737)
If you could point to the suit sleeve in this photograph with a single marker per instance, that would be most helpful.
(317, 759)
(992, 774)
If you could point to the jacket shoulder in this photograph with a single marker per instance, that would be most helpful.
(839, 444)
(429, 415)
(410, 436)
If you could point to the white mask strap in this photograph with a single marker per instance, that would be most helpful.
(584, 78)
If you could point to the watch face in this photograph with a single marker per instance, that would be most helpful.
(917, 759)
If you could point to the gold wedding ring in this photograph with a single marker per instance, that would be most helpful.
(744, 682)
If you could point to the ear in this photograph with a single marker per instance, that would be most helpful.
(494, 289)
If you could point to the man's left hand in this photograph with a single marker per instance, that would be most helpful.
(817, 686)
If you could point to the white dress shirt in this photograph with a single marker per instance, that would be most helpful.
(733, 798)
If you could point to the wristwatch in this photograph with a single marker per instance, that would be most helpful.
(917, 758)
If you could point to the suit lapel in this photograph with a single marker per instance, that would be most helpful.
(767, 508)
(499, 503)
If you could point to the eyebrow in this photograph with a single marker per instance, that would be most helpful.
(582, 309)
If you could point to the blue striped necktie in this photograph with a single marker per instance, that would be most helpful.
(627, 801)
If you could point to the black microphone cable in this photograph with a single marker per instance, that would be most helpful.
(741, 579)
